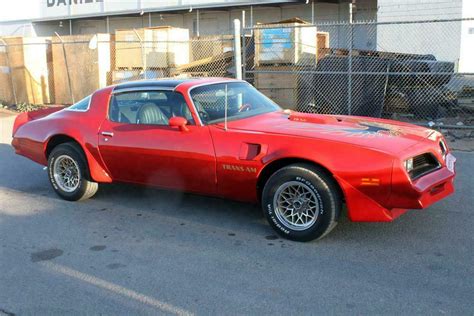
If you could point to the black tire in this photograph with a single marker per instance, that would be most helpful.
(320, 185)
(85, 188)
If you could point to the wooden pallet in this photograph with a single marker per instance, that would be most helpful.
(269, 80)
(88, 68)
(208, 67)
(287, 98)
(29, 62)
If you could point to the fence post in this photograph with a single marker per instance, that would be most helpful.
(237, 50)
(145, 73)
(71, 93)
(349, 78)
(244, 55)
(11, 71)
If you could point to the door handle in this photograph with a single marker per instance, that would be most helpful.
(107, 134)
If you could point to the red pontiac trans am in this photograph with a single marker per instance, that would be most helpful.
(222, 137)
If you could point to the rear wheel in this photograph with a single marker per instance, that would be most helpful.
(68, 173)
(301, 202)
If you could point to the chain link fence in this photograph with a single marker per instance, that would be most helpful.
(411, 73)
(408, 71)
(65, 69)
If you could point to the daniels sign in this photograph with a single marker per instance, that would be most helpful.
(64, 9)
(52, 3)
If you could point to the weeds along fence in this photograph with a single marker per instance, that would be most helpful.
(416, 71)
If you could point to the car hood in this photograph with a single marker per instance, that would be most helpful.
(379, 134)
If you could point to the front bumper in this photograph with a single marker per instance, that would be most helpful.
(426, 190)
(405, 195)
(433, 187)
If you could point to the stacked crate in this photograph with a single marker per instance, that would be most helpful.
(88, 59)
(150, 51)
(278, 86)
(322, 44)
(24, 63)
(206, 46)
(281, 49)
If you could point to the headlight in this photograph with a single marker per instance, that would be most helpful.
(409, 165)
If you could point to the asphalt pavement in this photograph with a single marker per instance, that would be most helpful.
(132, 250)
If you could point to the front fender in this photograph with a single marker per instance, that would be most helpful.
(364, 175)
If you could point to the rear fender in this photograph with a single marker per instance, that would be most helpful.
(26, 117)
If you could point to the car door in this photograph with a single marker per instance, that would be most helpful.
(137, 144)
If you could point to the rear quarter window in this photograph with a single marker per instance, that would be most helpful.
(82, 105)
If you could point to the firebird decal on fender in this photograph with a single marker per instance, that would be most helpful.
(363, 129)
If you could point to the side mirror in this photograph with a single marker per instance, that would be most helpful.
(179, 122)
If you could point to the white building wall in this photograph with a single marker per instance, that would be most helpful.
(403, 10)
(466, 60)
(219, 21)
(439, 39)
(20, 9)
(24, 28)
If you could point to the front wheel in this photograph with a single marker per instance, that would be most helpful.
(68, 173)
(301, 202)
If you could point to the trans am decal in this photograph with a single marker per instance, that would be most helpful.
(362, 129)
(239, 168)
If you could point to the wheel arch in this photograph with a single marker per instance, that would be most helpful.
(95, 170)
(279, 163)
(59, 139)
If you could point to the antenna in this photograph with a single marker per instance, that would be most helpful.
(225, 108)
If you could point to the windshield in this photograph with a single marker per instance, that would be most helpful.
(240, 98)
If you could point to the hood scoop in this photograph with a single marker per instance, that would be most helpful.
(311, 118)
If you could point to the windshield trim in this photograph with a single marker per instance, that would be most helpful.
(213, 122)
(202, 85)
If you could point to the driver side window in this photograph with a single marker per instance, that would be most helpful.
(148, 107)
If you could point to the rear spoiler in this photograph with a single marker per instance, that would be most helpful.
(26, 117)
